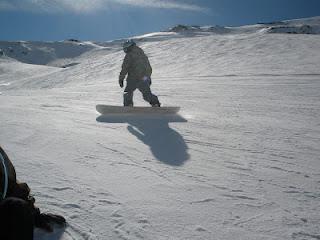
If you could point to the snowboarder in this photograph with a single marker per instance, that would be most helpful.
(136, 64)
(18, 214)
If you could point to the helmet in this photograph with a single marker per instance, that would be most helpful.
(128, 44)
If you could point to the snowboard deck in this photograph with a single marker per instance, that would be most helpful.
(111, 109)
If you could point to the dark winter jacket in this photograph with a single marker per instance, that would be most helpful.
(21, 191)
(136, 64)
(15, 189)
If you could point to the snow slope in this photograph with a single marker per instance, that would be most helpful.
(241, 161)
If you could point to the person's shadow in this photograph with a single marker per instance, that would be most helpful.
(166, 144)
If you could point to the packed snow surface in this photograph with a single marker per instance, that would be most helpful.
(240, 161)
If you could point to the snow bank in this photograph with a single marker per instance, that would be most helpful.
(304, 29)
(65, 53)
(298, 26)
(213, 29)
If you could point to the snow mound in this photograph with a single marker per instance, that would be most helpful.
(309, 21)
(304, 29)
(213, 29)
(297, 26)
(45, 53)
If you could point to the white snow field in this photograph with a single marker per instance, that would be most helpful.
(240, 161)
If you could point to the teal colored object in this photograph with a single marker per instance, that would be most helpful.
(5, 173)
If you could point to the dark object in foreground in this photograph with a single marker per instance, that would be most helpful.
(16, 219)
(18, 214)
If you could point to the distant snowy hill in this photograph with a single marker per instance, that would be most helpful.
(61, 54)
(44, 53)
(240, 160)
(299, 26)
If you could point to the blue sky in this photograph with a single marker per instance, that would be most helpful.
(103, 20)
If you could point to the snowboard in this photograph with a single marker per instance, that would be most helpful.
(111, 109)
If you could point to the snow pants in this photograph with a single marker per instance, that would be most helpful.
(144, 88)
(16, 220)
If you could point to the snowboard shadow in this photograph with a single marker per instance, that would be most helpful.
(165, 143)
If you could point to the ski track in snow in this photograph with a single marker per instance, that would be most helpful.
(241, 159)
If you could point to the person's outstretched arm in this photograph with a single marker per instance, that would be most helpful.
(124, 69)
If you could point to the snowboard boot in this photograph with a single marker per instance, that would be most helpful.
(156, 104)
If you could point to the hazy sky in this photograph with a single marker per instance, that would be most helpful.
(111, 19)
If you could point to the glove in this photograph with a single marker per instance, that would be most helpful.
(44, 220)
(121, 83)
(20, 190)
(147, 80)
